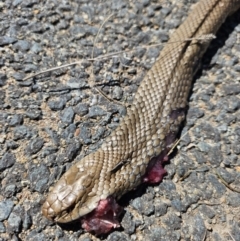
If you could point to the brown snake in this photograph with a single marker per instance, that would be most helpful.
(150, 126)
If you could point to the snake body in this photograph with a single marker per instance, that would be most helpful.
(151, 123)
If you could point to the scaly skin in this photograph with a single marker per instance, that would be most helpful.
(150, 126)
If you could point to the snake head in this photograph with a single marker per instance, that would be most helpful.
(73, 195)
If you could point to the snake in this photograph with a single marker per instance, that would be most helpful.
(137, 149)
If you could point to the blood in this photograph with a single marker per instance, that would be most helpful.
(155, 171)
(103, 218)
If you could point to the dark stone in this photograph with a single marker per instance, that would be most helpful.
(30, 68)
(215, 156)
(72, 150)
(27, 221)
(227, 176)
(85, 239)
(219, 188)
(5, 40)
(168, 189)
(143, 206)
(22, 45)
(35, 236)
(54, 136)
(128, 224)
(16, 119)
(34, 146)
(38, 176)
(160, 209)
(7, 160)
(177, 204)
(3, 79)
(5, 209)
(76, 83)
(236, 148)
(98, 134)
(10, 190)
(56, 105)
(234, 199)
(85, 134)
(172, 221)
(118, 236)
(36, 48)
(67, 115)
(231, 89)
(208, 132)
(207, 211)
(235, 231)
(19, 76)
(117, 93)
(81, 109)
(198, 227)
(34, 114)
(96, 111)
(14, 222)
(2, 228)
(157, 234)
(12, 145)
(48, 150)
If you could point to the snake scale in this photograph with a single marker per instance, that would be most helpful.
(150, 126)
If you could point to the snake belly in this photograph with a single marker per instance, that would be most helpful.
(151, 123)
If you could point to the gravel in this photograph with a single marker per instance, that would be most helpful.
(7, 161)
(5, 208)
(51, 121)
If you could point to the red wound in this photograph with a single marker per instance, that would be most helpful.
(103, 218)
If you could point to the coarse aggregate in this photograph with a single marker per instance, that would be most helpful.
(54, 119)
